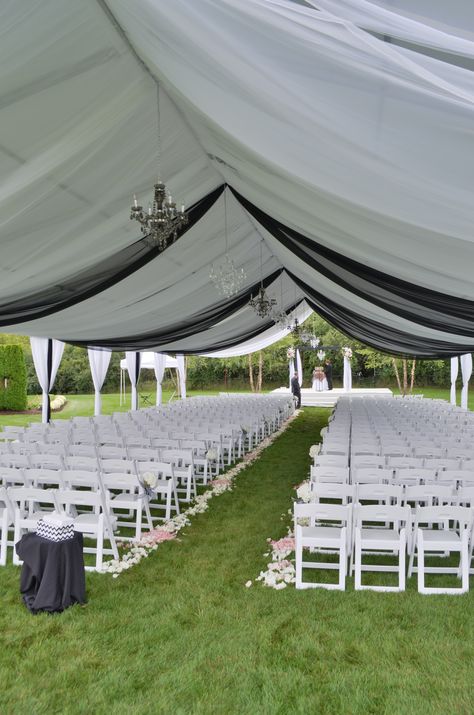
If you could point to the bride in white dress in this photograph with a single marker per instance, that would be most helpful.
(319, 380)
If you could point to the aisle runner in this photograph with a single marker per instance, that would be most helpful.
(135, 551)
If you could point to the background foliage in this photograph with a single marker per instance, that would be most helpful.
(369, 367)
(12, 378)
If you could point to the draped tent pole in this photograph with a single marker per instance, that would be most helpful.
(99, 361)
(454, 376)
(182, 375)
(133, 366)
(291, 367)
(299, 367)
(466, 370)
(347, 375)
(160, 361)
(47, 354)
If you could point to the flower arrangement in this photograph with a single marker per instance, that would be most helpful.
(347, 353)
(314, 450)
(290, 353)
(58, 403)
(149, 482)
(304, 493)
(211, 455)
(321, 355)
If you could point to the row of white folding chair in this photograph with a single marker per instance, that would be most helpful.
(404, 476)
(92, 523)
(330, 524)
(409, 462)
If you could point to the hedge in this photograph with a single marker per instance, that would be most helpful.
(13, 394)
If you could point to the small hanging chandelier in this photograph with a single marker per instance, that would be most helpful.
(227, 279)
(295, 330)
(262, 304)
(161, 224)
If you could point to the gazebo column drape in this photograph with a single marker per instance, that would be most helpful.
(99, 361)
(182, 375)
(133, 367)
(160, 361)
(47, 354)
(291, 370)
(466, 370)
(347, 375)
(299, 368)
(454, 377)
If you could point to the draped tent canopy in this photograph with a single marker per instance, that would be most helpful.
(338, 134)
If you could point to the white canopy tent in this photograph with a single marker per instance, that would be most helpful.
(340, 132)
(147, 362)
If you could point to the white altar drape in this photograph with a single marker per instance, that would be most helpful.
(99, 361)
(182, 375)
(47, 356)
(454, 377)
(466, 370)
(133, 368)
(347, 375)
(299, 368)
(160, 361)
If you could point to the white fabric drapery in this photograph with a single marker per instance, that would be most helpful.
(133, 369)
(466, 370)
(291, 369)
(99, 361)
(347, 375)
(47, 356)
(160, 361)
(454, 377)
(182, 375)
(299, 368)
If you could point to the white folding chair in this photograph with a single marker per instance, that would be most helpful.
(29, 507)
(369, 539)
(371, 475)
(6, 521)
(91, 523)
(328, 531)
(444, 539)
(123, 492)
(165, 487)
(89, 464)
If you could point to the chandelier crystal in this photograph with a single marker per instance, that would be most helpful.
(262, 303)
(228, 280)
(162, 222)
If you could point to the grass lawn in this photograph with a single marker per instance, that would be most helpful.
(180, 633)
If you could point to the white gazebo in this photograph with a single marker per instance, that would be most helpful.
(148, 362)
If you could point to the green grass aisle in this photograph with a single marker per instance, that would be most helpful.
(180, 633)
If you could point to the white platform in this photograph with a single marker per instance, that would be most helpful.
(309, 398)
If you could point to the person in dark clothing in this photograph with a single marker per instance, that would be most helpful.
(328, 373)
(296, 390)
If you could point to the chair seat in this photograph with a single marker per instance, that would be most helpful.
(441, 537)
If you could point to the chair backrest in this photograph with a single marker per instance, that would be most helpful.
(465, 496)
(11, 475)
(388, 493)
(117, 465)
(20, 495)
(371, 475)
(443, 515)
(79, 497)
(463, 476)
(80, 478)
(405, 462)
(82, 450)
(179, 457)
(384, 513)
(144, 454)
(46, 461)
(366, 461)
(163, 469)
(107, 452)
(82, 463)
(121, 481)
(20, 461)
(339, 475)
(413, 476)
(441, 464)
(328, 490)
(331, 460)
(428, 494)
(40, 476)
(319, 512)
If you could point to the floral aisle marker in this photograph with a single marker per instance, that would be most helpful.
(134, 551)
(281, 568)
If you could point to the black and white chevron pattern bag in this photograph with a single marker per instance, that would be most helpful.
(55, 527)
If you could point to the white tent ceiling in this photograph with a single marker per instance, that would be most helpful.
(354, 153)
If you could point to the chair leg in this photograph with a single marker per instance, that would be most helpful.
(358, 561)
(342, 561)
(465, 560)
(298, 563)
(4, 537)
(168, 503)
(16, 539)
(421, 561)
(100, 543)
(402, 560)
(138, 522)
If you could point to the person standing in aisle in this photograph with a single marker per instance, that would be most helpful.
(328, 373)
(296, 390)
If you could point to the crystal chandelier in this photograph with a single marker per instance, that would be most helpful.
(295, 330)
(321, 355)
(280, 317)
(227, 279)
(161, 224)
(262, 304)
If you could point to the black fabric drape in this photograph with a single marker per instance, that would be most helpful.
(196, 323)
(427, 307)
(375, 334)
(25, 307)
(49, 363)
